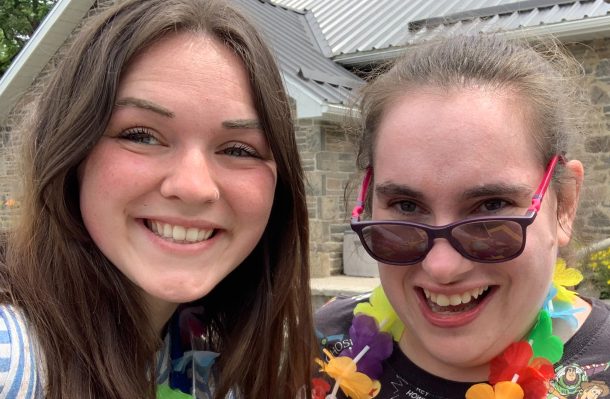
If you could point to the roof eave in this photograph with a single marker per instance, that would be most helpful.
(583, 29)
(44, 43)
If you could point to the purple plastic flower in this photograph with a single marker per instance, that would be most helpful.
(365, 332)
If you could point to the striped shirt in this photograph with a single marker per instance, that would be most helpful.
(20, 376)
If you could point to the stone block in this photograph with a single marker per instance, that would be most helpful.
(335, 162)
(320, 264)
(598, 219)
(318, 231)
(335, 185)
(356, 261)
(599, 95)
(603, 69)
(315, 183)
(598, 144)
(332, 209)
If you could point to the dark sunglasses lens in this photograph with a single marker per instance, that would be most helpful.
(490, 241)
(395, 243)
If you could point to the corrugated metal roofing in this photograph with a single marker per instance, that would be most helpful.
(298, 53)
(351, 26)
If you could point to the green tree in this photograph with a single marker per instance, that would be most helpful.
(18, 20)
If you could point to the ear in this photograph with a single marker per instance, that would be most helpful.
(566, 211)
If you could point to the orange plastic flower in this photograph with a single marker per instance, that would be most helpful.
(354, 384)
(502, 390)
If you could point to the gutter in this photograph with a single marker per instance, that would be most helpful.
(582, 29)
(42, 46)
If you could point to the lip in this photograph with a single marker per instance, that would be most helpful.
(187, 249)
(453, 320)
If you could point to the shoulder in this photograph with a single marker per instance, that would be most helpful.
(586, 362)
(333, 321)
(338, 311)
(19, 376)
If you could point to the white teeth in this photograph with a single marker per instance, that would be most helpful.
(454, 299)
(179, 233)
(191, 234)
(442, 300)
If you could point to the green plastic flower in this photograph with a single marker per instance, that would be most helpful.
(380, 309)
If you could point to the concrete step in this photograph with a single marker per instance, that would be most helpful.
(324, 288)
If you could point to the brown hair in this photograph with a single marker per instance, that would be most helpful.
(87, 316)
(541, 74)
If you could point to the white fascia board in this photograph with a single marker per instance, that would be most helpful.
(46, 40)
(307, 105)
(311, 106)
(583, 29)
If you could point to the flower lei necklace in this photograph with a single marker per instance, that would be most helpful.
(521, 371)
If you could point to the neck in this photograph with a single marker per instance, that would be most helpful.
(467, 371)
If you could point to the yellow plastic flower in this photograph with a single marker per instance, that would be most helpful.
(565, 277)
(354, 384)
(380, 309)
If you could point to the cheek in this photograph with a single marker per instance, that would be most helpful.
(251, 195)
(394, 281)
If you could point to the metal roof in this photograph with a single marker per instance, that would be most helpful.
(309, 75)
(318, 85)
(355, 26)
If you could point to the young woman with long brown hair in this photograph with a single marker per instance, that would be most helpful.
(164, 220)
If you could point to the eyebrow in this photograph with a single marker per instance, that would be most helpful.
(144, 104)
(502, 189)
(397, 189)
(242, 124)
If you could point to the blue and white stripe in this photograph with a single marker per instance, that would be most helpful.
(19, 375)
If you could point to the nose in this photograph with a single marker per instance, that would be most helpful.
(190, 177)
(444, 264)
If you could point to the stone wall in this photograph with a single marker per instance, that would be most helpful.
(594, 151)
(9, 172)
(329, 162)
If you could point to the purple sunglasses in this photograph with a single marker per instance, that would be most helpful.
(487, 239)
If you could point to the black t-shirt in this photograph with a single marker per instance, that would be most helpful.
(583, 372)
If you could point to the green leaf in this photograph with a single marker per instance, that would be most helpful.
(543, 342)
(381, 310)
(165, 392)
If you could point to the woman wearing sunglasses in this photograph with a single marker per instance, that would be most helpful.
(471, 194)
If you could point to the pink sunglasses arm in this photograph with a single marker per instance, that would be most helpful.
(544, 185)
(359, 208)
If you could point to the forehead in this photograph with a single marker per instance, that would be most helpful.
(189, 67)
(467, 133)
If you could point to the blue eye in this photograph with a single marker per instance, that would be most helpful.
(494, 204)
(139, 135)
(241, 150)
(407, 206)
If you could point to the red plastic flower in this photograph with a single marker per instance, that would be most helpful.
(533, 374)
(319, 388)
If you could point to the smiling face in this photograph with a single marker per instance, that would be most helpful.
(445, 156)
(179, 189)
